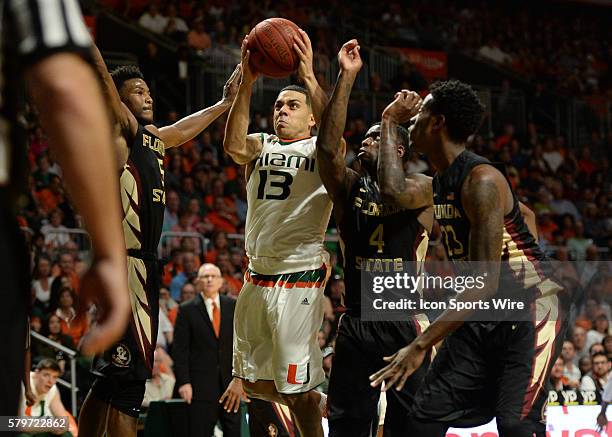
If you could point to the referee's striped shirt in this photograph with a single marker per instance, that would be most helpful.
(30, 30)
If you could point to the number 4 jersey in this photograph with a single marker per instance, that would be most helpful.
(288, 208)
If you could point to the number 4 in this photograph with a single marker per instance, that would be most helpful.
(376, 239)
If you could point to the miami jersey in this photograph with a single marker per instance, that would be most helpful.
(288, 208)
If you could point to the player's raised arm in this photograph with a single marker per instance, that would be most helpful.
(68, 97)
(187, 128)
(410, 192)
(331, 146)
(485, 194)
(303, 48)
(120, 113)
(241, 147)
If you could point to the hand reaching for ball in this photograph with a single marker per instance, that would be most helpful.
(303, 47)
(404, 107)
(230, 89)
(248, 75)
(349, 57)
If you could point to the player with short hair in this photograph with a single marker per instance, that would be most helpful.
(484, 369)
(371, 231)
(280, 307)
(114, 401)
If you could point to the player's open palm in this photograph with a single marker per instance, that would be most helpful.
(405, 106)
(249, 76)
(402, 364)
(303, 48)
(349, 57)
(232, 396)
(105, 285)
(230, 89)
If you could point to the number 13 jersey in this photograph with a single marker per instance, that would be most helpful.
(288, 208)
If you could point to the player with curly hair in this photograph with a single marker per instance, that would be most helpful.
(484, 369)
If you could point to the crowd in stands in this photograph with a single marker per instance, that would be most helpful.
(568, 188)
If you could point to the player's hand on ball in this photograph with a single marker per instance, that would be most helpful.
(230, 89)
(303, 47)
(349, 57)
(402, 364)
(248, 75)
(602, 422)
(232, 396)
(405, 106)
(104, 285)
(185, 391)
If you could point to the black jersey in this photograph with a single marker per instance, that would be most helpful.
(376, 237)
(521, 257)
(142, 193)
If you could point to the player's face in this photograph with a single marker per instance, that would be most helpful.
(137, 97)
(420, 130)
(292, 116)
(368, 152)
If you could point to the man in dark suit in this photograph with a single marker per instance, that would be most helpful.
(202, 351)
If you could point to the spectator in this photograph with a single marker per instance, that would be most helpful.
(53, 332)
(198, 39)
(153, 20)
(597, 348)
(165, 331)
(48, 401)
(570, 370)
(50, 197)
(54, 231)
(232, 278)
(578, 244)
(579, 340)
(203, 354)
(585, 365)
(607, 342)
(160, 386)
(600, 330)
(167, 304)
(220, 245)
(171, 211)
(42, 282)
(557, 378)
(176, 28)
(223, 217)
(65, 275)
(184, 226)
(189, 272)
(66, 311)
(597, 378)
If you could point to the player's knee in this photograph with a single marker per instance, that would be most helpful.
(515, 427)
(297, 400)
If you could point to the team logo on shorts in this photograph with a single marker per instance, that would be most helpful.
(292, 374)
(272, 430)
(121, 356)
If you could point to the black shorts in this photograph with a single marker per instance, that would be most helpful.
(492, 370)
(14, 298)
(360, 348)
(125, 396)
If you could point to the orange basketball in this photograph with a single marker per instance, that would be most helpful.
(271, 46)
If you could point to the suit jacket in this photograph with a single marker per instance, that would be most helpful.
(200, 358)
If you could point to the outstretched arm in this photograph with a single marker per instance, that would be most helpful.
(303, 48)
(330, 144)
(120, 113)
(485, 194)
(191, 126)
(410, 192)
(241, 147)
(67, 94)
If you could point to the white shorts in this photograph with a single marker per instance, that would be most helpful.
(276, 322)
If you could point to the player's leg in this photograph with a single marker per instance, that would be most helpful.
(531, 349)
(14, 295)
(352, 401)
(230, 422)
(295, 314)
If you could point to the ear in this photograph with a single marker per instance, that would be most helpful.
(438, 122)
(401, 151)
(311, 122)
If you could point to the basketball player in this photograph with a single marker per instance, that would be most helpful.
(114, 401)
(371, 231)
(280, 307)
(484, 369)
(47, 44)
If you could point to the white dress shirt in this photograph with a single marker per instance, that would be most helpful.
(208, 303)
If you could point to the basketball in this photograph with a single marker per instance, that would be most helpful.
(271, 45)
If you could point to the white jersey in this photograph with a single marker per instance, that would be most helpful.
(288, 208)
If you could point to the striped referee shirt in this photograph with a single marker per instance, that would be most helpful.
(30, 31)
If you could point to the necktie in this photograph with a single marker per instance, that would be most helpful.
(216, 318)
